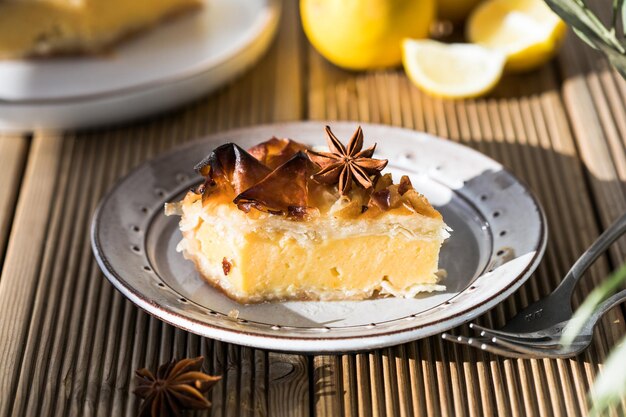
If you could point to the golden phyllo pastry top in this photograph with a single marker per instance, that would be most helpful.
(286, 178)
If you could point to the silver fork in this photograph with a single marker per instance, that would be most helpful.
(536, 330)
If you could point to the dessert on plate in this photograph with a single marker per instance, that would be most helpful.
(282, 221)
(30, 28)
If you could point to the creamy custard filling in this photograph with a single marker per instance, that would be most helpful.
(327, 285)
(325, 259)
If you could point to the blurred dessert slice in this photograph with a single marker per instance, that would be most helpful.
(30, 28)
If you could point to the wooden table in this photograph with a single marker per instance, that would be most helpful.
(69, 342)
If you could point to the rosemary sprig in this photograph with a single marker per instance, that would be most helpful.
(590, 28)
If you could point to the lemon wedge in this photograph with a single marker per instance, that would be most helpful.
(527, 31)
(452, 70)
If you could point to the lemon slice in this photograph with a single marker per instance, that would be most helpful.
(527, 31)
(452, 70)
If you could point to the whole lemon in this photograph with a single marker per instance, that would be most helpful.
(365, 34)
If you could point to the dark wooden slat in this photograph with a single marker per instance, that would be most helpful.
(20, 274)
(288, 385)
(594, 96)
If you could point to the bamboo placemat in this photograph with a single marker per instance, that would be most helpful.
(69, 342)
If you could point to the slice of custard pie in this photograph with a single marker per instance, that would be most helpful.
(282, 221)
(36, 28)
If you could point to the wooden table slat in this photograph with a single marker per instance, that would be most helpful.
(594, 96)
(20, 273)
(13, 153)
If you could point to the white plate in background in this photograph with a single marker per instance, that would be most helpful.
(177, 61)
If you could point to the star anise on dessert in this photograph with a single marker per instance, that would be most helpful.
(177, 385)
(344, 165)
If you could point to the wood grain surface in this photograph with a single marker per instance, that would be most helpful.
(69, 342)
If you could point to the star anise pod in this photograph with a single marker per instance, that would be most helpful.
(177, 385)
(345, 164)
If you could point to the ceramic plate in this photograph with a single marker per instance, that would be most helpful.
(498, 238)
(178, 61)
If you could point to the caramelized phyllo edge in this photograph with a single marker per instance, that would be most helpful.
(277, 177)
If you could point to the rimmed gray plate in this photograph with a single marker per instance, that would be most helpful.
(499, 238)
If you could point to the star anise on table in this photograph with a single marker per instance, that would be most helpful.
(177, 385)
(344, 165)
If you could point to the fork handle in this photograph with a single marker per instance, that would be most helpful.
(597, 248)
